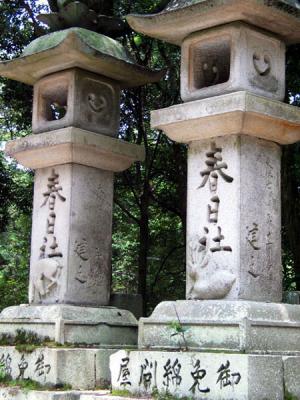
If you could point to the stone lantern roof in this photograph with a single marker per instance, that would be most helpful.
(183, 17)
(77, 48)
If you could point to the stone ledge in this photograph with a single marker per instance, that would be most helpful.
(231, 114)
(108, 327)
(81, 369)
(233, 326)
(74, 145)
(14, 393)
(197, 375)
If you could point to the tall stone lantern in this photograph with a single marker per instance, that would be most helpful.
(240, 342)
(77, 76)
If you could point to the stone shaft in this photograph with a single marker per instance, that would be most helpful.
(234, 219)
(71, 236)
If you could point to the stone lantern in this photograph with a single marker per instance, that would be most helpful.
(234, 123)
(77, 77)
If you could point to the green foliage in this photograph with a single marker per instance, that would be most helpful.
(14, 258)
(177, 327)
(150, 199)
(90, 14)
(28, 384)
(24, 341)
(121, 393)
(156, 395)
(27, 337)
(179, 330)
(2, 374)
(289, 396)
(6, 339)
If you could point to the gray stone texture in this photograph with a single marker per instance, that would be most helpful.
(231, 114)
(76, 98)
(232, 58)
(240, 326)
(182, 18)
(77, 146)
(17, 394)
(108, 327)
(77, 48)
(81, 368)
(71, 236)
(234, 220)
(292, 376)
(199, 375)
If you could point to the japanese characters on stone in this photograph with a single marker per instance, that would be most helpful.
(176, 374)
(21, 366)
(46, 271)
(209, 275)
(50, 247)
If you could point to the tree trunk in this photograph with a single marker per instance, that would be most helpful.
(144, 247)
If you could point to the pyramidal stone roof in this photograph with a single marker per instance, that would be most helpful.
(176, 4)
(183, 17)
(77, 48)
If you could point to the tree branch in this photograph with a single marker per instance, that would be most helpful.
(126, 175)
(38, 31)
(163, 264)
(128, 213)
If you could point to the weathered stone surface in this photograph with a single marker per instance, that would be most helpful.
(105, 326)
(80, 368)
(79, 99)
(233, 241)
(77, 48)
(184, 17)
(223, 325)
(74, 145)
(17, 394)
(230, 114)
(199, 375)
(71, 236)
(292, 376)
(231, 58)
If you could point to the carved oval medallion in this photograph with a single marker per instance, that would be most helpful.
(262, 64)
(98, 103)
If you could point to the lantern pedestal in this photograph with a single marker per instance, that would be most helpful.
(69, 322)
(230, 338)
(69, 325)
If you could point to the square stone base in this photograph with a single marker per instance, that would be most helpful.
(108, 327)
(234, 326)
(79, 368)
(211, 376)
(14, 393)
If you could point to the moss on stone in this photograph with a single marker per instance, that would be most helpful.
(289, 396)
(290, 6)
(93, 41)
(121, 393)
